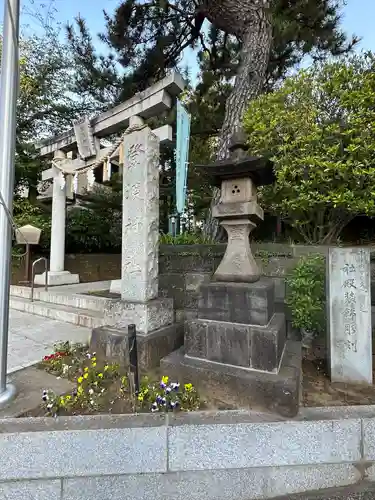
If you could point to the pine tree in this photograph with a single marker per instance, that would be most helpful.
(255, 41)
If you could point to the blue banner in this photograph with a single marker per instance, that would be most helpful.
(182, 155)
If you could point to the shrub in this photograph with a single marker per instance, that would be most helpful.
(319, 129)
(186, 239)
(25, 212)
(90, 231)
(305, 294)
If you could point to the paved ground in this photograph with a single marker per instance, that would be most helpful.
(361, 491)
(32, 337)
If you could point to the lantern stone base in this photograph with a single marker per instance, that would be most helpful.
(239, 387)
(57, 278)
(246, 303)
(237, 347)
(249, 346)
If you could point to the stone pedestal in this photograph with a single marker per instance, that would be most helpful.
(239, 387)
(140, 303)
(238, 343)
(57, 278)
(244, 303)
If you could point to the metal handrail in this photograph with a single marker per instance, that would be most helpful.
(33, 275)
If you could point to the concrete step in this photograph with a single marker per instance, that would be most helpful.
(68, 299)
(77, 316)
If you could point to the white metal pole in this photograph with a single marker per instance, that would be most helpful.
(9, 82)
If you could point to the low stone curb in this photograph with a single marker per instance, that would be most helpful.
(231, 455)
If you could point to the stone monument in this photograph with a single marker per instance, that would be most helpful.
(140, 304)
(237, 346)
(349, 315)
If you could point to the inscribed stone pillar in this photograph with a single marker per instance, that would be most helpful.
(349, 315)
(140, 223)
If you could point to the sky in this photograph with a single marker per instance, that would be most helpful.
(358, 16)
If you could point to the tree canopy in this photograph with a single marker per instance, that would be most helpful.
(319, 129)
(146, 39)
(46, 101)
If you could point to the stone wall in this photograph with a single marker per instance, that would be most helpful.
(90, 267)
(215, 456)
(183, 268)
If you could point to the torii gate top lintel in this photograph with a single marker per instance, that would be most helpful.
(151, 102)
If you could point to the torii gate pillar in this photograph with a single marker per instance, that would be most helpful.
(57, 274)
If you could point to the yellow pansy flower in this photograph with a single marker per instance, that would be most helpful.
(100, 375)
(80, 380)
(85, 375)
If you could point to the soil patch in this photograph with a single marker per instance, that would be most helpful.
(103, 293)
(318, 390)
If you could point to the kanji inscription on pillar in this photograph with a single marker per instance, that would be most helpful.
(349, 315)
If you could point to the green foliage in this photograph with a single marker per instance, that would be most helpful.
(305, 294)
(185, 239)
(46, 101)
(319, 129)
(100, 385)
(146, 39)
(25, 212)
(90, 231)
(94, 382)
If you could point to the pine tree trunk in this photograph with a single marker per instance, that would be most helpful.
(256, 35)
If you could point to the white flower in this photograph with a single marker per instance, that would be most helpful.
(91, 391)
(91, 401)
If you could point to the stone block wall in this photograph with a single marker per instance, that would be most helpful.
(183, 268)
(235, 455)
(90, 267)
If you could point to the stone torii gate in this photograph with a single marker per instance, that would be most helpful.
(76, 153)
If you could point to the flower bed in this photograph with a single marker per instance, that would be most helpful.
(103, 387)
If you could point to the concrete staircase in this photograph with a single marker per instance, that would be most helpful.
(64, 303)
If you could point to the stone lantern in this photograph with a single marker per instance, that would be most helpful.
(238, 210)
(237, 346)
(28, 235)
